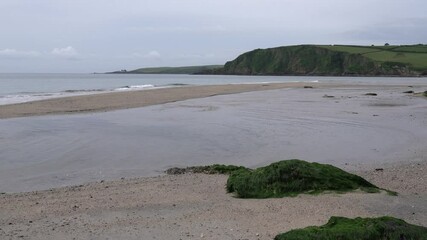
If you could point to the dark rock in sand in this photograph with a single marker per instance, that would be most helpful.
(176, 171)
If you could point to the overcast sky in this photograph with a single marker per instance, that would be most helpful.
(105, 35)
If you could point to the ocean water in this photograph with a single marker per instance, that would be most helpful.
(16, 88)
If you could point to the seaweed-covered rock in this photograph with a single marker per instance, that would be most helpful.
(292, 177)
(387, 228)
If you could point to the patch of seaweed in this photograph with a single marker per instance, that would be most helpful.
(210, 169)
(293, 177)
(382, 228)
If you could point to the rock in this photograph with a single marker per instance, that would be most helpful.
(408, 91)
(308, 86)
(176, 171)
(371, 94)
(379, 169)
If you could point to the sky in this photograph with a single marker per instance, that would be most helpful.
(84, 36)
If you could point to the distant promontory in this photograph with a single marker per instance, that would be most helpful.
(315, 60)
(330, 60)
(171, 70)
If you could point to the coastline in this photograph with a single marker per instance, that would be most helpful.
(103, 102)
(195, 206)
(250, 129)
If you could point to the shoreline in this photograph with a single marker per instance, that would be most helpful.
(195, 206)
(250, 129)
(103, 102)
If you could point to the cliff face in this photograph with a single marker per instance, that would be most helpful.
(309, 60)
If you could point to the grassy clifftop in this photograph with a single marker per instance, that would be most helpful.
(337, 60)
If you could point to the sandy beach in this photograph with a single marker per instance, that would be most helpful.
(381, 138)
(196, 206)
(130, 99)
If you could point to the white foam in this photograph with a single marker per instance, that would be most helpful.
(30, 97)
(20, 98)
(134, 87)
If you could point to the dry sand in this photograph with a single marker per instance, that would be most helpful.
(196, 206)
(190, 206)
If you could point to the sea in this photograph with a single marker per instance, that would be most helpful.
(24, 87)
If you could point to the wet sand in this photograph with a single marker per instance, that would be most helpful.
(129, 99)
(350, 130)
(336, 124)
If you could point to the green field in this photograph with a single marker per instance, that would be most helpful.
(412, 55)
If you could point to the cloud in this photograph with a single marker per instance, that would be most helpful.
(191, 28)
(197, 56)
(152, 54)
(404, 31)
(16, 54)
(158, 29)
(66, 52)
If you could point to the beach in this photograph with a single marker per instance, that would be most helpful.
(131, 99)
(196, 206)
(380, 137)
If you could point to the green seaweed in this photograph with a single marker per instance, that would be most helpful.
(382, 228)
(293, 177)
(210, 169)
(216, 169)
